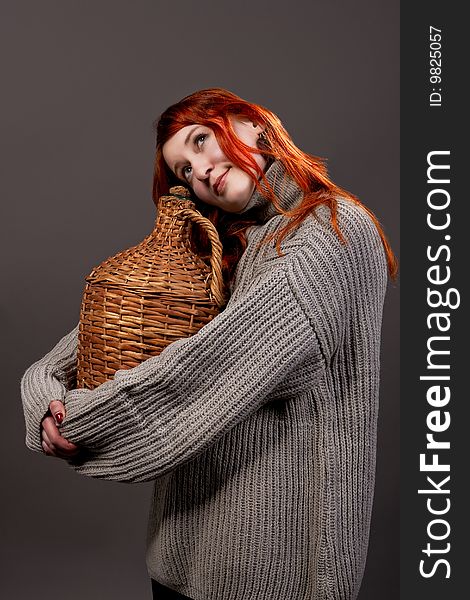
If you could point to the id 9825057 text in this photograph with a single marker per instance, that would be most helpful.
(435, 66)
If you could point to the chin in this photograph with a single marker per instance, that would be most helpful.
(233, 208)
(236, 205)
(241, 198)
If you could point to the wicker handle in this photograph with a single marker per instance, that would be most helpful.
(217, 282)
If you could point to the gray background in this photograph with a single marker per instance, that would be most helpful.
(82, 82)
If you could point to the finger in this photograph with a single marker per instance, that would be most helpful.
(59, 454)
(47, 449)
(46, 441)
(57, 442)
(45, 437)
(57, 410)
(54, 451)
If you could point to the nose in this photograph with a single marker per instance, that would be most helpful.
(202, 168)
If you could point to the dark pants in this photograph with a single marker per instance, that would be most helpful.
(161, 592)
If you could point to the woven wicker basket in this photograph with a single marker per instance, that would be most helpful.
(144, 298)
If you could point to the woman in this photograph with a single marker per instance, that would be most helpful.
(259, 430)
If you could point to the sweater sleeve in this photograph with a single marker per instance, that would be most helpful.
(150, 419)
(45, 380)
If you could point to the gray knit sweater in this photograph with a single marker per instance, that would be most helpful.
(260, 430)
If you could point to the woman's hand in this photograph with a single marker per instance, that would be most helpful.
(52, 442)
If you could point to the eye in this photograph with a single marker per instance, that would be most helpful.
(184, 171)
(199, 139)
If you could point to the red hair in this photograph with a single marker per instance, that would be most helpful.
(213, 108)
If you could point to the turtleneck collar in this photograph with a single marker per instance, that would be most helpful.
(285, 188)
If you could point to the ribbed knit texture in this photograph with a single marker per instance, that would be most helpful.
(260, 430)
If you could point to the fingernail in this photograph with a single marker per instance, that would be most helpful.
(59, 417)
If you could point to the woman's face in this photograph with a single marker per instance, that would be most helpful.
(194, 155)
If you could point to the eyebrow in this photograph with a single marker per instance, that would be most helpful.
(190, 133)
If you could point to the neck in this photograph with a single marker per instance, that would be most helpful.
(285, 188)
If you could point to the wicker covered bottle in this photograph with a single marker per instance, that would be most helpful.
(142, 299)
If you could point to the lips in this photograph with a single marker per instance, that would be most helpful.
(219, 182)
